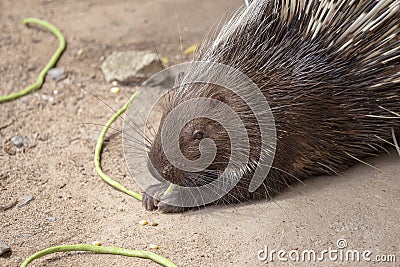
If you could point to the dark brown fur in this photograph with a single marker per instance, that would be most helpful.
(333, 100)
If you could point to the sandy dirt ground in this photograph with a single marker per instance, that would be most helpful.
(72, 205)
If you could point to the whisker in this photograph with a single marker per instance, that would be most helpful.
(114, 129)
(134, 126)
(395, 141)
(179, 31)
(145, 122)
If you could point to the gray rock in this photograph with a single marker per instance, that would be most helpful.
(23, 101)
(57, 74)
(48, 98)
(20, 141)
(130, 66)
(26, 199)
(4, 248)
(51, 219)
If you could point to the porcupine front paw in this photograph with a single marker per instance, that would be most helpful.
(154, 192)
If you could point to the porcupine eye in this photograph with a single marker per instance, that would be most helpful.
(198, 135)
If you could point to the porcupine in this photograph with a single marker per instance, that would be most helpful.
(330, 71)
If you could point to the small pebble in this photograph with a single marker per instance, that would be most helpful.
(26, 199)
(152, 246)
(18, 141)
(80, 52)
(57, 74)
(154, 223)
(115, 90)
(4, 248)
(51, 219)
(23, 101)
(96, 243)
(114, 83)
(48, 98)
(143, 222)
(55, 92)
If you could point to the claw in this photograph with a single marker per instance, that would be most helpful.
(154, 192)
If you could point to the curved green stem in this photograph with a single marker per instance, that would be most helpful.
(52, 62)
(83, 247)
(102, 250)
(99, 147)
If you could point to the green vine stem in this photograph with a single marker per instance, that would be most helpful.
(52, 62)
(99, 146)
(101, 250)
